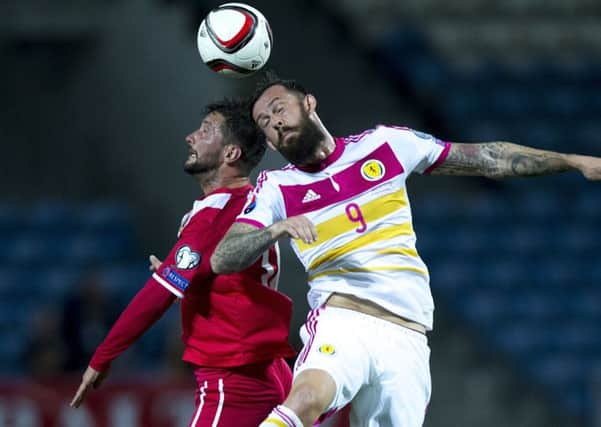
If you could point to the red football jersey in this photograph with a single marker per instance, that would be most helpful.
(228, 320)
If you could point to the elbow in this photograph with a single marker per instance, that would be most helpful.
(495, 174)
(218, 266)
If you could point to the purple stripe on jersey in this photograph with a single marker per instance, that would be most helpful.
(250, 222)
(327, 415)
(285, 417)
(357, 138)
(300, 199)
(261, 179)
(312, 329)
(441, 158)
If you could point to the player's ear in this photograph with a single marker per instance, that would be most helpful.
(232, 153)
(310, 103)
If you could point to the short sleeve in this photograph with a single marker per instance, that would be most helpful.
(418, 152)
(187, 260)
(265, 204)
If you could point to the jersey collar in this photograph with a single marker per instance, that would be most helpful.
(237, 190)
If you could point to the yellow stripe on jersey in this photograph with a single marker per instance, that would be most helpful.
(275, 422)
(341, 224)
(387, 233)
(367, 270)
(399, 251)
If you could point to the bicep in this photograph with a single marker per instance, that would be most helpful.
(468, 159)
(240, 228)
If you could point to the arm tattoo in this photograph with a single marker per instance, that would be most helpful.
(240, 247)
(501, 160)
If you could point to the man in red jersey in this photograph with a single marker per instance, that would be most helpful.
(235, 326)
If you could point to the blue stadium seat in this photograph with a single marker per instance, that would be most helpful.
(125, 279)
(14, 283)
(30, 250)
(51, 215)
(526, 339)
(11, 219)
(103, 216)
(562, 102)
(485, 307)
(97, 248)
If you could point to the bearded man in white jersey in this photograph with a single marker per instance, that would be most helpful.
(343, 204)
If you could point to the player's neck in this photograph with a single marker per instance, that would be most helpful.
(325, 149)
(216, 182)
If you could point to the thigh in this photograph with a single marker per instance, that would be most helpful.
(400, 393)
(240, 397)
(333, 344)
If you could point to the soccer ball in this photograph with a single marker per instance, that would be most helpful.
(234, 40)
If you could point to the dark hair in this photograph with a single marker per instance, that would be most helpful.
(239, 128)
(270, 79)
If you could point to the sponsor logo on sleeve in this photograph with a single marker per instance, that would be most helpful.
(373, 170)
(175, 279)
(251, 204)
(421, 135)
(186, 258)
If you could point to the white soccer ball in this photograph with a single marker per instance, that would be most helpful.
(234, 40)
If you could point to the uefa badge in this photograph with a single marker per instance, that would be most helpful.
(373, 170)
(186, 258)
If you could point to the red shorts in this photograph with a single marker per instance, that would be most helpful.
(241, 396)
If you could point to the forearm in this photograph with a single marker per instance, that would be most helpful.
(502, 160)
(143, 311)
(239, 250)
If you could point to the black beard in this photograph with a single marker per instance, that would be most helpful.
(196, 168)
(201, 166)
(301, 148)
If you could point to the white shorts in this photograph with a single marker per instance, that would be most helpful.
(382, 367)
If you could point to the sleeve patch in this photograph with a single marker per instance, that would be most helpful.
(251, 203)
(174, 279)
(421, 135)
(186, 258)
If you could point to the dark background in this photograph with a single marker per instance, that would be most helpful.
(97, 97)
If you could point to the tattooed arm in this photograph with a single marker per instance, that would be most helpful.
(504, 159)
(244, 243)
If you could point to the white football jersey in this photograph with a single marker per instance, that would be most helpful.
(357, 199)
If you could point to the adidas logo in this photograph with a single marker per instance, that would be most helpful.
(310, 196)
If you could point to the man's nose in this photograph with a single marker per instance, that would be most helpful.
(190, 139)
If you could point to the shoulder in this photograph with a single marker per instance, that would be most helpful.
(383, 131)
(205, 210)
(273, 177)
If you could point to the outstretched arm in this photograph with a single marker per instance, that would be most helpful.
(504, 159)
(244, 243)
(144, 310)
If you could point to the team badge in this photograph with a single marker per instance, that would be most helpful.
(327, 349)
(186, 258)
(373, 170)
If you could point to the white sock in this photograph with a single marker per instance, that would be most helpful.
(282, 417)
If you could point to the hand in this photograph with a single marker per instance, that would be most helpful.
(296, 227)
(91, 378)
(155, 263)
(588, 165)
